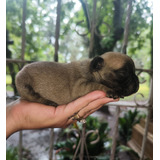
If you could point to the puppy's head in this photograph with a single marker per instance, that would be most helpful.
(117, 72)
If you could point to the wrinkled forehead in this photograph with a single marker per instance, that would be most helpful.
(115, 60)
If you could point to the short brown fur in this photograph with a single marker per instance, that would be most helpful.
(60, 83)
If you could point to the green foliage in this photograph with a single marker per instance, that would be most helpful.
(114, 14)
(40, 29)
(100, 150)
(139, 46)
(140, 49)
(8, 79)
(11, 154)
(127, 122)
(124, 148)
(67, 147)
(102, 127)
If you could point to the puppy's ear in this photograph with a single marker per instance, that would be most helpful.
(96, 64)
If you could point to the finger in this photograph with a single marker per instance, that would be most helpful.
(87, 103)
(85, 100)
(94, 106)
(82, 102)
(71, 121)
(91, 108)
(92, 111)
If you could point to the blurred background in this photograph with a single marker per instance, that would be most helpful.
(68, 30)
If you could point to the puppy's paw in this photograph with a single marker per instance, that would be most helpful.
(112, 94)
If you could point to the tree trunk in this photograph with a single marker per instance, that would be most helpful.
(95, 41)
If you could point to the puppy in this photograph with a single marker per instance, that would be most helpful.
(55, 84)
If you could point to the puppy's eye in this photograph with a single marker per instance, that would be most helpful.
(121, 73)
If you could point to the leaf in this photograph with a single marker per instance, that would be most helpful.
(123, 148)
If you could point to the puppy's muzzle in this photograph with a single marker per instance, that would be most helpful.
(131, 86)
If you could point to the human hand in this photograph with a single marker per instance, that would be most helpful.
(28, 115)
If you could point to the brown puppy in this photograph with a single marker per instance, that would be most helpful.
(60, 83)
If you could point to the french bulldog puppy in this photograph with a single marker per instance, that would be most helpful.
(55, 84)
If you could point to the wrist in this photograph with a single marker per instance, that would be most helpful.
(12, 121)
